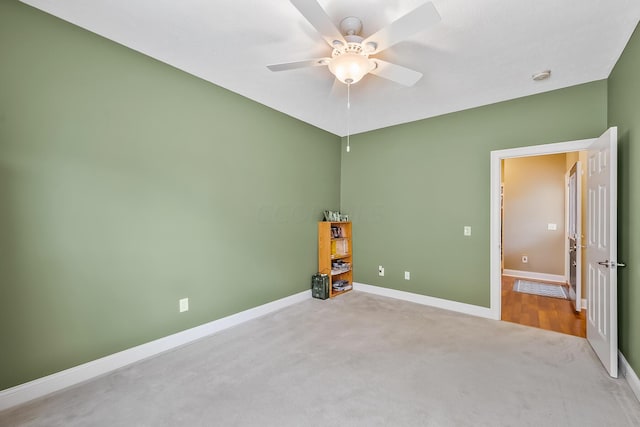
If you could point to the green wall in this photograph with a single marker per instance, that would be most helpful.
(126, 184)
(412, 188)
(624, 112)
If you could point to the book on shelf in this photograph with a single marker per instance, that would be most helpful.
(342, 285)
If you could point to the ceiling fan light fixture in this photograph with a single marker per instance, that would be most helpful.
(350, 61)
(350, 68)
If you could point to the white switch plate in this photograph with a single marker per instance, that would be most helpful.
(407, 275)
(380, 270)
(184, 304)
(467, 230)
(552, 226)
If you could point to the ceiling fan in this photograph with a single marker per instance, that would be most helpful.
(350, 59)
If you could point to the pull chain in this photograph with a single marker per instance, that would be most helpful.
(348, 116)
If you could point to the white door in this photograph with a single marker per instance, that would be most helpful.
(574, 234)
(602, 283)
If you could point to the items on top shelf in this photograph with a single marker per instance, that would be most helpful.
(331, 216)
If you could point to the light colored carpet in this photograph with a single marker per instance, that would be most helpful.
(357, 360)
(542, 289)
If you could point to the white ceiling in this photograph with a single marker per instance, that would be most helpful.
(483, 51)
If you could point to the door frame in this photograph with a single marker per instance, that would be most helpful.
(495, 270)
(580, 239)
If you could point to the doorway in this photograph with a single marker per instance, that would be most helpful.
(538, 216)
(495, 213)
(601, 245)
(536, 220)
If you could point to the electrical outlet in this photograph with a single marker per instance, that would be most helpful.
(467, 230)
(184, 304)
(407, 275)
(525, 259)
(380, 270)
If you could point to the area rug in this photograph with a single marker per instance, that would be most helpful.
(542, 289)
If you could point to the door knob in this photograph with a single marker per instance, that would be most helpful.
(612, 264)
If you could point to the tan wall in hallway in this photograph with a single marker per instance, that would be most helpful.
(534, 198)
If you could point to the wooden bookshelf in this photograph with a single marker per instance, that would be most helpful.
(335, 244)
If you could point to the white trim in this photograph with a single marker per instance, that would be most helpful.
(584, 303)
(459, 307)
(535, 276)
(567, 256)
(539, 150)
(495, 268)
(629, 374)
(60, 380)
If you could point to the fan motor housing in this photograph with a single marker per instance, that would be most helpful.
(351, 47)
(350, 26)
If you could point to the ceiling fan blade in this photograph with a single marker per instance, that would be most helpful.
(318, 62)
(315, 14)
(404, 27)
(397, 73)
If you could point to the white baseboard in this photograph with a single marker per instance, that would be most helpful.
(629, 374)
(534, 276)
(60, 380)
(459, 307)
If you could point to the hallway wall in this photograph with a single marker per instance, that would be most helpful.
(534, 196)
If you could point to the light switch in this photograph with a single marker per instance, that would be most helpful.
(552, 226)
(467, 230)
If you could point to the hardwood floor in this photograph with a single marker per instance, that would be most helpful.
(553, 314)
